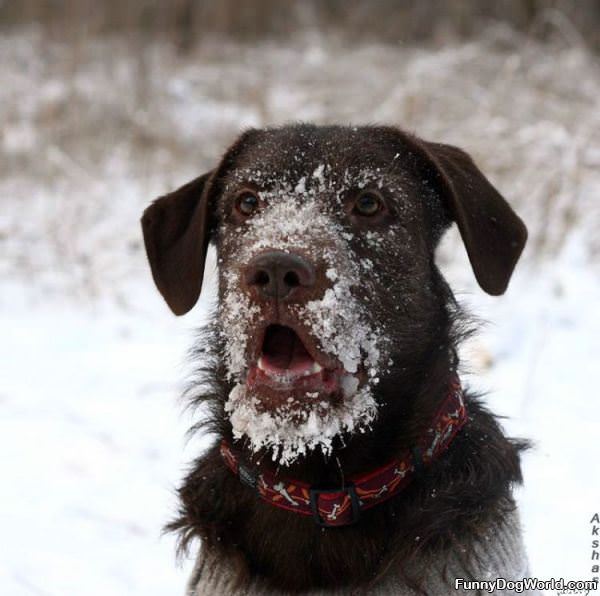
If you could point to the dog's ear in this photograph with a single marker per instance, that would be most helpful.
(493, 234)
(176, 231)
(176, 237)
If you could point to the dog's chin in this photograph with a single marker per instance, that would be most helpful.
(298, 423)
(295, 412)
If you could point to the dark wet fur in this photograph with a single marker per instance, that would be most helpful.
(472, 482)
(464, 493)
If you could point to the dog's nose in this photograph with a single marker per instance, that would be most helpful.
(279, 275)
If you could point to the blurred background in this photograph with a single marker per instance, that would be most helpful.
(106, 105)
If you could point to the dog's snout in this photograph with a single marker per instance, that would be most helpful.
(279, 275)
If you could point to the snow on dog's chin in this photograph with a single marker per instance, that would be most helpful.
(290, 432)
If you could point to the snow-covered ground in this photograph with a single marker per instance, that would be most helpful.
(92, 363)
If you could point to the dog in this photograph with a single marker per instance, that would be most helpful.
(347, 457)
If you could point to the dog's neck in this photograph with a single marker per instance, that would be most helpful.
(334, 506)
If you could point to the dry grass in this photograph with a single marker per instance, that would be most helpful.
(184, 22)
(93, 130)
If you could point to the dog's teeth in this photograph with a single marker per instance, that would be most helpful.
(316, 368)
(260, 364)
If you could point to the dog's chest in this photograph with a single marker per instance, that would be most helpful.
(502, 555)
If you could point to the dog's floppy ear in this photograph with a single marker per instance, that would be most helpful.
(176, 237)
(176, 233)
(493, 234)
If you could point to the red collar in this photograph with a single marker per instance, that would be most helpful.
(342, 506)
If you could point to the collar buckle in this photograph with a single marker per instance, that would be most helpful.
(247, 476)
(349, 489)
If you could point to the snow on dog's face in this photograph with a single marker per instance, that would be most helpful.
(306, 352)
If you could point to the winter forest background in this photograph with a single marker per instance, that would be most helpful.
(106, 105)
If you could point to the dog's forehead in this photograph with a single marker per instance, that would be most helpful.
(290, 153)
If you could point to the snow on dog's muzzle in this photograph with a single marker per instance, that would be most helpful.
(300, 346)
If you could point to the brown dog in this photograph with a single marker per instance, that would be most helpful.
(347, 455)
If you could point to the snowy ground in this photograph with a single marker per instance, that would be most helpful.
(92, 362)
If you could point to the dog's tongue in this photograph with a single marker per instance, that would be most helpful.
(284, 351)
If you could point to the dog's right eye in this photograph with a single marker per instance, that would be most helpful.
(246, 203)
(368, 204)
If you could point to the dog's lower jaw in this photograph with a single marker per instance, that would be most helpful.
(295, 428)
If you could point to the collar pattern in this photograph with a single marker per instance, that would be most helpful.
(331, 507)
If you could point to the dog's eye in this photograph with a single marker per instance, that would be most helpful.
(368, 204)
(246, 203)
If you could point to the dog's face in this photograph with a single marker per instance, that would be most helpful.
(321, 242)
(325, 240)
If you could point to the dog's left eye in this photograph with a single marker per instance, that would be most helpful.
(246, 203)
(368, 204)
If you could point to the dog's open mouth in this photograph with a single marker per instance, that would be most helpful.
(284, 364)
(296, 396)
